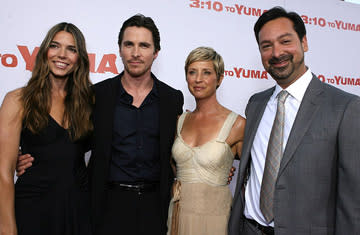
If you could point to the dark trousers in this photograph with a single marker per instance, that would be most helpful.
(250, 229)
(132, 213)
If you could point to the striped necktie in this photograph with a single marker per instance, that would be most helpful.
(273, 158)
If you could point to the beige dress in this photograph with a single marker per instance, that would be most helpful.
(205, 197)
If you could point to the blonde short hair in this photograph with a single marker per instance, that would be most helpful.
(206, 54)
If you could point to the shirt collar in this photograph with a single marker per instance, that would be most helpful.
(154, 93)
(298, 88)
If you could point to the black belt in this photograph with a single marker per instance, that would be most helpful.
(267, 230)
(136, 187)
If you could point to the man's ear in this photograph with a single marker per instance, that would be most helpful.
(304, 44)
(156, 53)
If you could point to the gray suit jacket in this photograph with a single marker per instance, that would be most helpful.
(318, 185)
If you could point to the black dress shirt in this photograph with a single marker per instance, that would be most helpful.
(135, 141)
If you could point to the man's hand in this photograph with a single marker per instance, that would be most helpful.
(23, 162)
(231, 174)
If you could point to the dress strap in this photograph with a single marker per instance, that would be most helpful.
(181, 122)
(226, 128)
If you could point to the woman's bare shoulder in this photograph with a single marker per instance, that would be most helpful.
(238, 128)
(12, 102)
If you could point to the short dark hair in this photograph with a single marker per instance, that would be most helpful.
(278, 12)
(140, 20)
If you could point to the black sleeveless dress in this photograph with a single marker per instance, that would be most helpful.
(51, 198)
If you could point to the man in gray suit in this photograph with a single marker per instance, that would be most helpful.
(313, 185)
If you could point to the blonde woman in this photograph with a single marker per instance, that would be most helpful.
(206, 143)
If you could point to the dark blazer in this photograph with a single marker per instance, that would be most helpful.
(318, 185)
(171, 102)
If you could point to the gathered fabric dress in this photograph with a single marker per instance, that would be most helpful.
(205, 197)
(51, 197)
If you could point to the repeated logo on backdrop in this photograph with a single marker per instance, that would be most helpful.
(11, 60)
(240, 9)
(108, 65)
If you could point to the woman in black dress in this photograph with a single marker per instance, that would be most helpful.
(50, 119)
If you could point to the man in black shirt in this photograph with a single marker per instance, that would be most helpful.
(134, 119)
(134, 125)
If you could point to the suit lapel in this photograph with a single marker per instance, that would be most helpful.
(254, 115)
(166, 125)
(163, 126)
(107, 116)
(307, 111)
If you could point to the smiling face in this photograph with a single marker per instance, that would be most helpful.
(202, 80)
(282, 52)
(62, 55)
(137, 51)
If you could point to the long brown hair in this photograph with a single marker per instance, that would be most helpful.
(36, 95)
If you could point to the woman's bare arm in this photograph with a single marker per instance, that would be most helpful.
(10, 129)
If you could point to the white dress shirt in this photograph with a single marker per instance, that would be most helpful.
(259, 147)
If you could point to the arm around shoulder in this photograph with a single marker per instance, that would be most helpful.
(10, 129)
